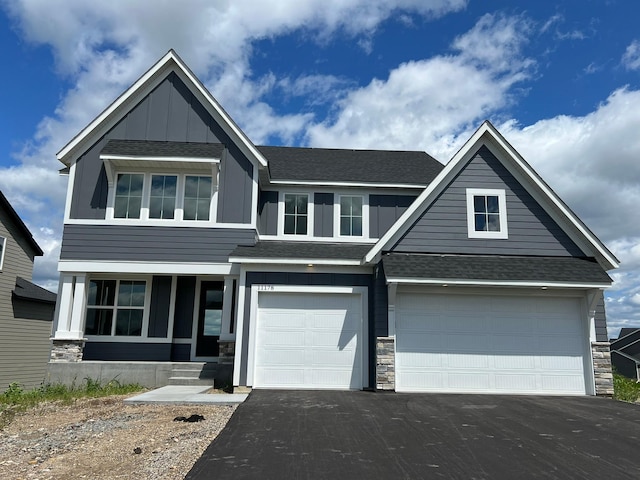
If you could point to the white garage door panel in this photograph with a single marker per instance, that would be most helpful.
(489, 343)
(308, 340)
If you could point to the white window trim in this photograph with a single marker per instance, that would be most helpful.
(3, 244)
(178, 219)
(502, 206)
(145, 314)
(365, 216)
(310, 213)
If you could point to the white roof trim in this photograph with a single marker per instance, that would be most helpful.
(493, 283)
(169, 62)
(488, 135)
(345, 184)
(290, 261)
(205, 160)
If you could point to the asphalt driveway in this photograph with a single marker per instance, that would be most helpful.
(333, 435)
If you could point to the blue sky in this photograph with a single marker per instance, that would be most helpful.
(561, 80)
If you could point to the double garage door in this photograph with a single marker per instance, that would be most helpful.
(309, 341)
(490, 344)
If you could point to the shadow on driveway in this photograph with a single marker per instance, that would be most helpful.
(332, 435)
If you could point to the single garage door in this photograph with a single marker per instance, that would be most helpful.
(489, 344)
(309, 341)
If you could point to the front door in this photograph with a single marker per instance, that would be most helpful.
(209, 319)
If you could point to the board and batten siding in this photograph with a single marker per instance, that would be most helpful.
(169, 113)
(323, 215)
(384, 210)
(443, 226)
(151, 243)
(268, 212)
(25, 329)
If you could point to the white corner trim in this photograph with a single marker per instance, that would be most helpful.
(503, 233)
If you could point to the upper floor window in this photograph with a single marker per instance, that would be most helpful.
(486, 213)
(128, 200)
(3, 247)
(115, 307)
(296, 214)
(197, 197)
(351, 214)
(163, 197)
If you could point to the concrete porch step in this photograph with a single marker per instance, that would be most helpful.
(192, 381)
(196, 373)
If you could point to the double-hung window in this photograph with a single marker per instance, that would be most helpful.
(351, 215)
(115, 307)
(296, 214)
(163, 196)
(486, 213)
(128, 201)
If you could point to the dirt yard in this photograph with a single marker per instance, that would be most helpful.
(105, 439)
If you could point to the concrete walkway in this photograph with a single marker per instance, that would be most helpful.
(187, 395)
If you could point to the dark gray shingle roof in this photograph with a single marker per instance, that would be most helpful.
(6, 206)
(475, 267)
(363, 166)
(30, 291)
(145, 148)
(303, 250)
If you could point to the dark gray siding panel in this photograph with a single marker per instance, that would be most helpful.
(323, 215)
(286, 278)
(33, 310)
(443, 227)
(149, 243)
(624, 366)
(268, 213)
(180, 352)
(134, 352)
(384, 210)
(236, 184)
(601, 321)
(159, 309)
(169, 113)
(185, 298)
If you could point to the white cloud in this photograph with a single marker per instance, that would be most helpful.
(631, 57)
(432, 104)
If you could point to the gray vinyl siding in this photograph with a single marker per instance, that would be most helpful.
(323, 215)
(180, 352)
(159, 308)
(169, 113)
(185, 300)
(151, 243)
(268, 212)
(384, 210)
(25, 327)
(289, 278)
(601, 321)
(443, 227)
(133, 352)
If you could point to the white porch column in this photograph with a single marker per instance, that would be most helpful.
(64, 307)
(76, 326)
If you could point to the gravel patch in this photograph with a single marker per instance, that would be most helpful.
(106, 439)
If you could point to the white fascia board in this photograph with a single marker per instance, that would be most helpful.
(346, 184)
(169, 62)
(493, 283)
(163, 268)
(488, 135)
(301, 239)
(567, 215)
(289, 261)
(161, 159)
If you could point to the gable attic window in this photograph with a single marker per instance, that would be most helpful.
(162, 198)
(486, 213)
(128, 195)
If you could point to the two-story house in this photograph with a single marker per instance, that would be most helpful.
(26, 310)
(318, 268)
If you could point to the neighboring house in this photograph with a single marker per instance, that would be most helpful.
(26, 310)
(625, 353)
(318, 268)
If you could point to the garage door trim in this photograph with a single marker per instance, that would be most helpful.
(264, 289)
